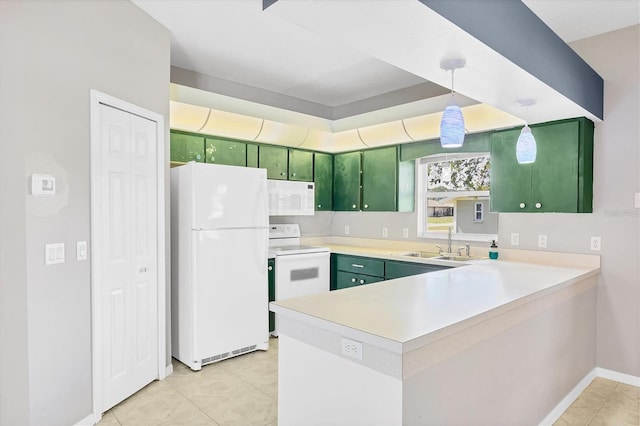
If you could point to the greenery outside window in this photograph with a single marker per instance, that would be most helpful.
(453, 192)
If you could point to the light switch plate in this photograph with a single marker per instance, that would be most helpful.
(385, 232)
(53, 253)
(515, 239)
(405, 232)
(81, 250)
(346, 230)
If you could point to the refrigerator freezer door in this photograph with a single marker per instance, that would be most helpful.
(227, 197)
(230, 296)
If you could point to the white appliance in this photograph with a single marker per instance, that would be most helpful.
(291, 198)
(219, 247)
(300, 270)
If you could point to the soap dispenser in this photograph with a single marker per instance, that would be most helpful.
(493, 250)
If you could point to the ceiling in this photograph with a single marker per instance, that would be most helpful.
(319, 64)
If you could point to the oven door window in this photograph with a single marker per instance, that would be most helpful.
(304, 274)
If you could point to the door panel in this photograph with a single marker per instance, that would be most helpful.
(510, 181)
(231, 290)
(187, 148)
(380, 180)
(126, 271)
(323, 178)
(220, 151)
(346, 181)
(229, 197)
(274, 159)
(300, 165)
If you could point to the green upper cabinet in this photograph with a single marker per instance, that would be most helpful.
(346, 181)
(252, 155)
(380, 179)
(275, 160)
(222, 151)
(300, 165)
(560, 180)
(185, 147)
(373, 180)
(323, 178)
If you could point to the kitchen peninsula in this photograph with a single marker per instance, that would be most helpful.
(492, 342)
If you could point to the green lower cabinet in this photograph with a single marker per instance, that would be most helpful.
(185, 147)
(349, 279)
(300, 165)
(323, 179)
(560, 180)
(221, 151)
(271, 272)
(275, 160)
(394, 269)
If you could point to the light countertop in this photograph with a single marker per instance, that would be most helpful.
(424, 306)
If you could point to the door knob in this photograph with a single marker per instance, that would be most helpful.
(366, 206)
(271, 268)
(353, 280)
(361, 281)
(538, 205)
(353, 206)
(522, 205)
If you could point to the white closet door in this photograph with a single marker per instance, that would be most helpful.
(127, 275)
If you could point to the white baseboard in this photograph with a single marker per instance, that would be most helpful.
(568, 400)
(627, 379)
(88, 421)
(584, 383)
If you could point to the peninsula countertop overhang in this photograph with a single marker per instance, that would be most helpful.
(403, 314)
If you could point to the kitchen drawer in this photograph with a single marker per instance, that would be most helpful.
(348, 279)
(404, 269)
(361, 265)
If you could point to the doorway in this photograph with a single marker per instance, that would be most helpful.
(127, 249)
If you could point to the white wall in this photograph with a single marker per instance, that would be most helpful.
(53, 53)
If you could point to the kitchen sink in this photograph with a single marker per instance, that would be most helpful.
(420, 254)
(458, 258)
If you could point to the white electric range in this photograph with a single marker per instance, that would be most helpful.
(301, 270)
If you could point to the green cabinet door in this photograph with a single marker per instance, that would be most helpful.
(346, 181)
(274, 159)
(394, 269)
(300, 165)
(380, 179)
(554, 175)
(185, 147)
(510, 181)
(271, 273)
(221, 151)
(252, 155)
(323, 178)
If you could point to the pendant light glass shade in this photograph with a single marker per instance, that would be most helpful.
(526, 148)
(452, 126)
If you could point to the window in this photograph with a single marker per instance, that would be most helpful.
(479, 207)
(453, 191)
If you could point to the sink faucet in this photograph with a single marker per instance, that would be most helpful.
(467, 250)
(449, 241)
(439, 249)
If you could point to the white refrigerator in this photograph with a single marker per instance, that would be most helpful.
(219, 246)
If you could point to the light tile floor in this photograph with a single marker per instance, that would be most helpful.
(243, 391)
(604, 402)
(240, 391)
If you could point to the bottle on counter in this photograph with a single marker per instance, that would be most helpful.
(493, 250)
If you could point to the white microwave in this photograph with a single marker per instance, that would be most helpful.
(290, 198)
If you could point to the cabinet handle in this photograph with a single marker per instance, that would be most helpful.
(319, 206)
(366, 206)
(538, 205)
(355, 265)
(353, 206)
(282, 174)
(293, 174)
(353, 280)
(361, 281)
(198, 156)
(271, 268)
(522, 205)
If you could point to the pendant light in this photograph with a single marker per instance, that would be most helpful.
(452, 122)
(526, 148)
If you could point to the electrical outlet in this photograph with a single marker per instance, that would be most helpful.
(346, 230)
(405, 232)
(385, 232)
(542, 241)
(351, 348)
(81, 250)
(515, 239)
(595, 243)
